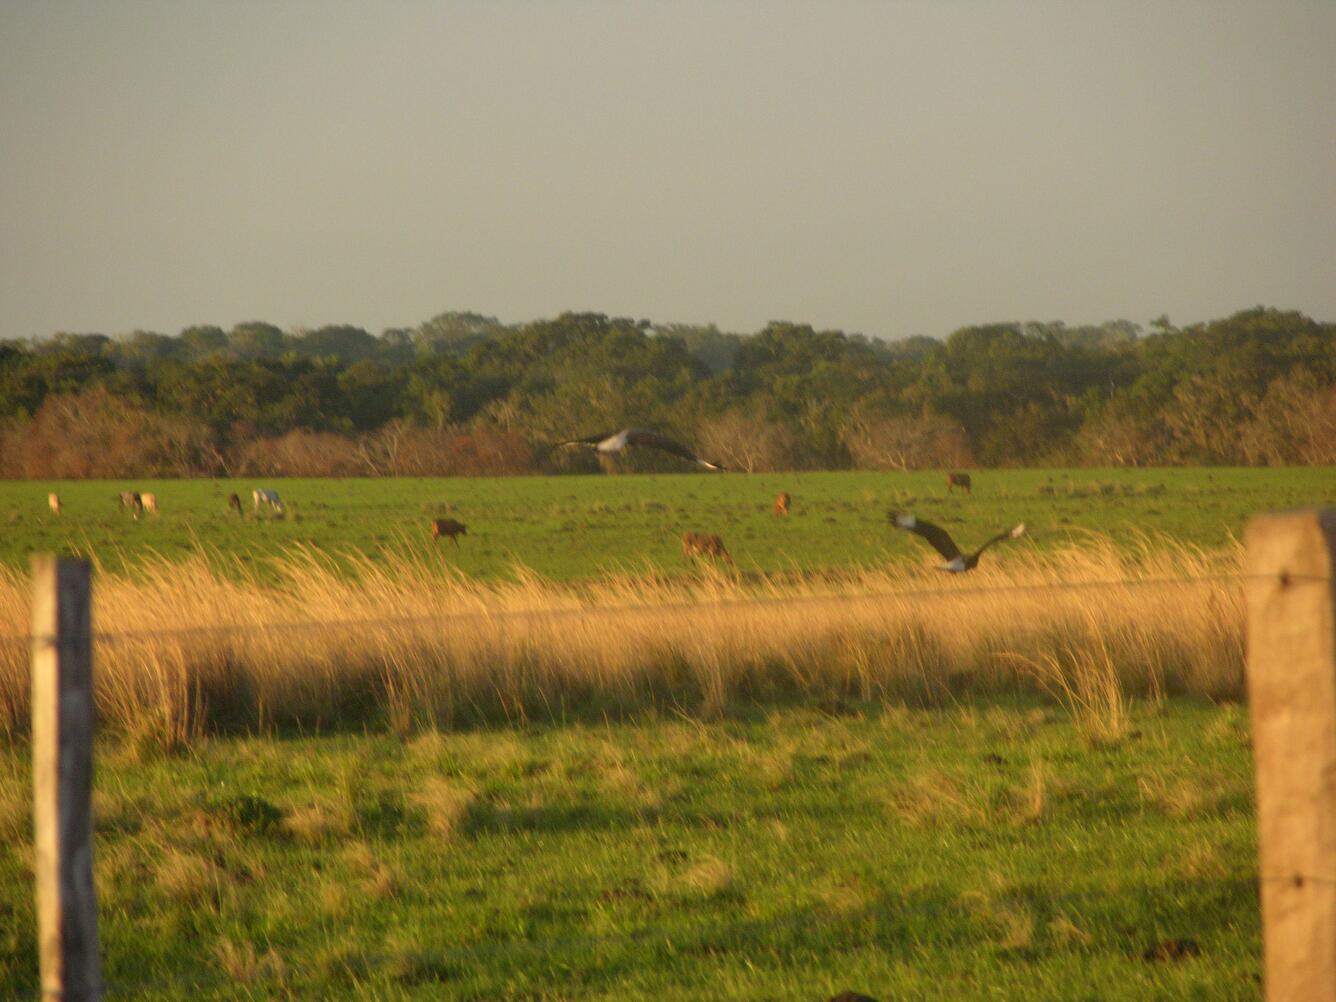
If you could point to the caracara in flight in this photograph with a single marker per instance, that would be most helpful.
(941, 541)
(616, 441)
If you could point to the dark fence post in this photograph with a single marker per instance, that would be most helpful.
(62, 757)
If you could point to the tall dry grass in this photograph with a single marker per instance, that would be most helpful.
(405, 643)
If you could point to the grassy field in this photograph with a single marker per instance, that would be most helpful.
(981, 850)
(577, 527)
(558, 762)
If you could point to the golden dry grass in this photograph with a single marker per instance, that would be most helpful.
(447, 806)
(242, 963)
(708, 877)
(185, 649)
(318, 822)
(1009, 921)
(189, 876)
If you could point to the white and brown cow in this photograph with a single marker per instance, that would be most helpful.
(267, 497)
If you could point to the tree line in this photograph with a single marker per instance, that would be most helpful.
(464, 394)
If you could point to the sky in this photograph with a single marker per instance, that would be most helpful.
(888, 168)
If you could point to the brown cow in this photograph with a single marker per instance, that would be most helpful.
(782, 501)
(961, 480)
(704, 544)
(53, 501)
(132, 500)
(234, 503)
(150, 502)
(448, 527)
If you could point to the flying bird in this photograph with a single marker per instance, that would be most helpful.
(941, 541)
(616, 441)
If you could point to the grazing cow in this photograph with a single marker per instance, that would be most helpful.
(53, 502)
(782, 501)
(704, 544)
(961, 480)
(132, 500)
(150, 502)
(448, 527)
(265, 496)
(234, 503)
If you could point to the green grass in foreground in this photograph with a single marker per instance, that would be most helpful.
(575, 527)
(972, 852)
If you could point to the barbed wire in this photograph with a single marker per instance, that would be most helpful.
(676, 936)
(1296, 879)
(421, 619)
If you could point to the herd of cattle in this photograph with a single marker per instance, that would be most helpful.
(694, 544)
(137, 503)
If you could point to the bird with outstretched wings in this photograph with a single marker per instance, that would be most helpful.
(940, 540)
(615, 441)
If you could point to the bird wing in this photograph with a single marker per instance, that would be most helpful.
(937, 537)
(652, 439)
(1011, 533)
(589, 439)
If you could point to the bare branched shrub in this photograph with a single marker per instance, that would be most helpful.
(404, 450)
(745, 442)
(1293, 423)
(879, 441)
(95, 434)
(1120, 437)
(1204, 419)
(298, 453)
(397, 449)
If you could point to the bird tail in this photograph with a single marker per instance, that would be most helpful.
(1018, 531)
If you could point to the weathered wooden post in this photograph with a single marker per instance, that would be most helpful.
(62, 758)
(1292, 702)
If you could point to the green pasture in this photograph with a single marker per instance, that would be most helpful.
(970, 852)
(567, 527)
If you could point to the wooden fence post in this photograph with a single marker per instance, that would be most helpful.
(1292, 703)
(62, 761)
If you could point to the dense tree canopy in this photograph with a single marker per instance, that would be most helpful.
(1258, 387)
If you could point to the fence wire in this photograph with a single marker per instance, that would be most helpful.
(673, 937)
(578, 611)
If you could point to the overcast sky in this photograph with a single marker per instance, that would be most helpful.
(889, 168)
